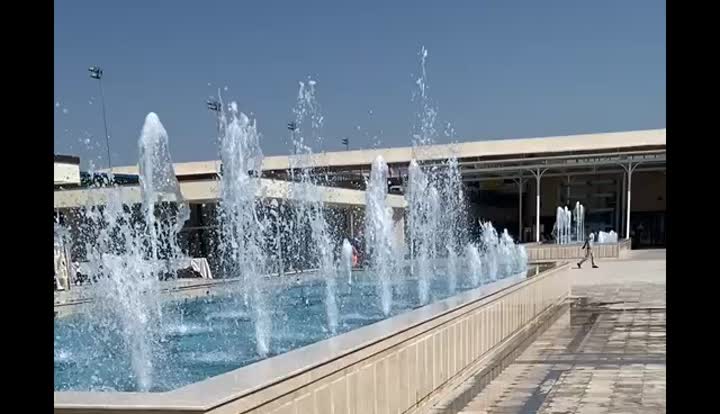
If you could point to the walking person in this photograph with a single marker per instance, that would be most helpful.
(588, 251)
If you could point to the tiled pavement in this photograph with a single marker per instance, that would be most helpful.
(604, 355)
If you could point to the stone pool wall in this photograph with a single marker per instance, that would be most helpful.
(399, 365)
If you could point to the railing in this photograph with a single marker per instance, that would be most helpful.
(538, 252)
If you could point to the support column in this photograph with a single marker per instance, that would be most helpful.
(537, 209)
(629, 201)
(617, 208)
(622, 205)
(629, 168)
(520, 182)
(538, 173)
(567, 192)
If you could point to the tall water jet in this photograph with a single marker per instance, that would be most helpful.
(579, 214)
(568, 225)
(563, 225)
(419, 228)
(127, 286)
(241, 227)
(425, 130)
(452, 224)
(378, 232)
(160, 191)
(309, 209)
(419, 191)
(126, 254)
(434, 232)
(346, 260)
(474, 264)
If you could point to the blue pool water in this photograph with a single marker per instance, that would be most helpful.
(201, 338)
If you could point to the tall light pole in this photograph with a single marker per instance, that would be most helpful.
(96, 72)
(292, 127)
(215, 106)
(346, 142)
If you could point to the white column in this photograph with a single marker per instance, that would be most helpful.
(618, 209)
(520, 185)
(629, 191)
(537, 207)
(623, 201)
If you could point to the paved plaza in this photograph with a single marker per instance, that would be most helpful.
(606, 354)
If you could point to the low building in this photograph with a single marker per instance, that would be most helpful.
(518, 183)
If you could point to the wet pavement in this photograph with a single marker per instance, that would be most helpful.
(605, 354)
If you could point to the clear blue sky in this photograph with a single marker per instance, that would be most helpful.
(497, 69)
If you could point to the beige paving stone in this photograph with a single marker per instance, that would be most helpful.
(613, 365)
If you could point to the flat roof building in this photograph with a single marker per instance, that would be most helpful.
(518, 183)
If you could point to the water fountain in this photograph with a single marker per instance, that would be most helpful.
(474, 264)
(149, 339)
(433, 233)
(565, 232)
(241, 243)
(378, 233)
(579, 214)
(310, 211)
(451, 229)
(489, 249)
(159, 189)
(607, 237)
(126, 256)
(420, 229)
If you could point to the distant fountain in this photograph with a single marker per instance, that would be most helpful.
(346, 261)
(579, 214)
(378, 232)
(568, 225)
(607, 237)
(241, 244)
(309, 209)
(563, 226)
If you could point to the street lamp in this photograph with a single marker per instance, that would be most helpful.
(292, 127)
(96, 72)
(346, 142)
(215, 106)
